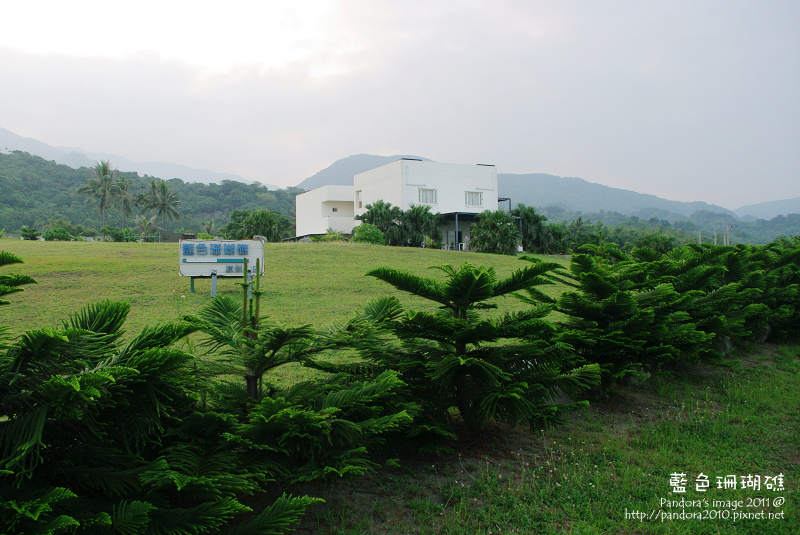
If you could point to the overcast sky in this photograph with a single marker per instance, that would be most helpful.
(687, 100)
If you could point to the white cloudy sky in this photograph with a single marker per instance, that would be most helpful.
(688, 100)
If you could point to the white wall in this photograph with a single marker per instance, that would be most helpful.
(382, 183)
(399, 183)
(315, 210)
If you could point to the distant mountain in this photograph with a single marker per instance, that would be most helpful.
(76, 158)
(341, 172)
(577, 194)
(537, 189)
(768, 210)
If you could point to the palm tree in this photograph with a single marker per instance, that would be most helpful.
(124, 200)
(101, 187)
(495, 232)
(418, 223)
(161, 201)
(208, 227)
(535, 237)
(381, 214)
(146, 226)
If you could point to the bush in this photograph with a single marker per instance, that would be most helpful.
(57, 234)
(495, 232)
(28, 233)
(113, 232)
(368, 233)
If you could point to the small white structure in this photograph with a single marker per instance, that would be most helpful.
(457, 191)
(323, 208)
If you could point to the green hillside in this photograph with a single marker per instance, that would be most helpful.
(36, 191)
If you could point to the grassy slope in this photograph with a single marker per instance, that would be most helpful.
(617, 457)
(313, 284)
(577, 479)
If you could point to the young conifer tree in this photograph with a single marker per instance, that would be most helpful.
(506, 368)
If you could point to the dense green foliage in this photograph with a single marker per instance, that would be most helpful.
(622, 229)
(495, 232)
(57, 234)
(36, 191)
(160, 200)
(245, 224)
(415, 227)
(508, 369)
(368, 233)
(100, 436)
(28, 233)
(634, 313)
(102, 188)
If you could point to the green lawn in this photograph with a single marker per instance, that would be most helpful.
(315, 284)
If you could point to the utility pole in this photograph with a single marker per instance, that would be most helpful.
(727, 235)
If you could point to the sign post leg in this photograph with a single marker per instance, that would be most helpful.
(213, 283)
(191, 284)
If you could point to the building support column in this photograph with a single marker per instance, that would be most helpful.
(458, 245)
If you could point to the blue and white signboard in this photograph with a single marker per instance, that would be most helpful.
(198, 258)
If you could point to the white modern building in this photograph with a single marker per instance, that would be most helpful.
(457, 191)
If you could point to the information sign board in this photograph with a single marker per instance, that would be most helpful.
(199, 258)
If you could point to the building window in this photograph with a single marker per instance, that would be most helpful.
(427, 196)
(334, 209)
(474, 198)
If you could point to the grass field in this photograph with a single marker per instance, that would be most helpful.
(594, 475)
(314, 284)
(609, 466)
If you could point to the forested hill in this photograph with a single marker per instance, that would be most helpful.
(34, 191)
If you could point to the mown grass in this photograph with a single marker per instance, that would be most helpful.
(615, 458)
(316, 284)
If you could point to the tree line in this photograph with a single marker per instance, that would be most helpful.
(505, 233)
(42, 195)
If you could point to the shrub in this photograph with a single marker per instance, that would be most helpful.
(28, 233)
(113, 232)
(368, 233)
(57, 234)
(495, 232)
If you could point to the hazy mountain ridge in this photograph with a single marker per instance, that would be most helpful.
(537, 189)
(76, 158)
(534, 189)
(577, 194)
(341, 172)
(768, 210)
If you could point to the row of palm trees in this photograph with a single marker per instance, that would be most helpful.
(413, 227)
(110, 190)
